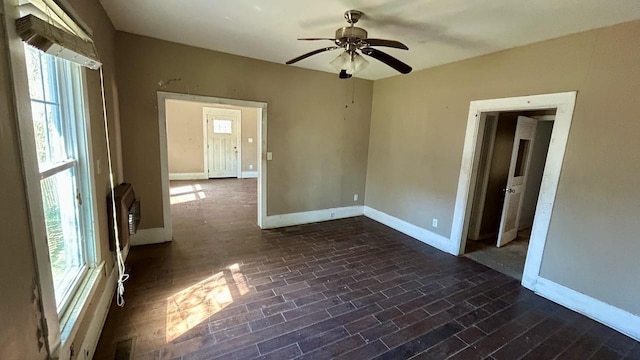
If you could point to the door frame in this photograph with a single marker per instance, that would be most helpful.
(480, 193)
(205, 135)
(261, 107)
(564, 103)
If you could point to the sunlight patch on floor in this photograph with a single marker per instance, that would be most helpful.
(195, 304)
(183, 194)
(239, 279)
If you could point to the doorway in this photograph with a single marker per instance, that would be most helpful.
(511, 163)
(564, 104)
(192, 166)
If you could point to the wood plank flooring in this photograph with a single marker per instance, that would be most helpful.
(344, 289)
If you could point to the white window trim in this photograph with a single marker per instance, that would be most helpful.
(56, 324)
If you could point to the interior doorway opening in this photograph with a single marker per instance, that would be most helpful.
(513, 147)
(564, 104)
(212, 156)
(211, 140)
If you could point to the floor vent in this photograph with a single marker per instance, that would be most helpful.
(124, 349)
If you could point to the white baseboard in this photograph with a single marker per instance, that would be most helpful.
(149, 236)
(307, 217)
(618, 319)
(188, 176)
(98, 318)
(249, 174)
(437, 241)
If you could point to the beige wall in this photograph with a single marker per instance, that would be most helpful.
(185, 136)
(417, 134)
(18, 338)
(318, 138)
(249, 130)
(185, 153)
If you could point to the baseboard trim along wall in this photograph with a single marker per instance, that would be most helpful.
(611, 316)
(149, 236)
(307, 217)
(188, 176)
(437, 241)
(249, 174)
(98, 318)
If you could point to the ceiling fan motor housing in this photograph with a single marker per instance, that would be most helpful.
(350, 33)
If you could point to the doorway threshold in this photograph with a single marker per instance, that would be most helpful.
(508, 259)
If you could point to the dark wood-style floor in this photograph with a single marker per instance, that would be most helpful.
(344, 289)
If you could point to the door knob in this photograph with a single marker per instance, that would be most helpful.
(511, 191)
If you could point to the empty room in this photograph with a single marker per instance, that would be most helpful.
(319, 180)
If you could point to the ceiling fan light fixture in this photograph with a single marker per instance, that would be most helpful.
(351, 63)
(356, 63)
(355, 42)
(341, 62)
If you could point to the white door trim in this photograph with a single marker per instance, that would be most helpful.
(564, 103)
(205, 146)
(163, 96)
(237, 128)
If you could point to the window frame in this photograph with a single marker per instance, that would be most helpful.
(60, 327)
(69, 98)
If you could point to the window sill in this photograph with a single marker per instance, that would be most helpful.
(72, 318)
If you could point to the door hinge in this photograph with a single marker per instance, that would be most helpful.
(79, 198)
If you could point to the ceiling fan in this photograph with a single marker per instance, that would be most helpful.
(353, 39)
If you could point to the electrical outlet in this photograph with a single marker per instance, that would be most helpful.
(355, 197)
(333, 215)
(434, 223)
(269, 155)
(250, 140)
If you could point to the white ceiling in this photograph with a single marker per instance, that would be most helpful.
(436, 31)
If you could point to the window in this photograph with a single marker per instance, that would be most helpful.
(523, 154)
(55, 88)
(222, 126)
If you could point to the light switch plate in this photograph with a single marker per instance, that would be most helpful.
(269, 155)
(250, 140)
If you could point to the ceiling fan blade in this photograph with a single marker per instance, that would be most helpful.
(301, 57)
(387, 59)
(387, 43)
(313, 39)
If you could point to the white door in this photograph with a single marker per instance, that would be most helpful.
(222, 143)
(517, 179)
